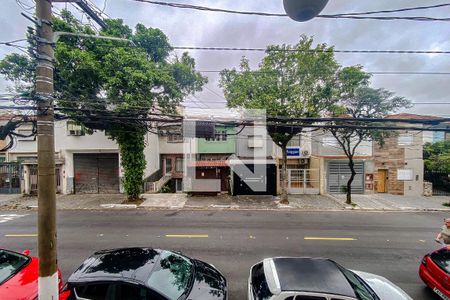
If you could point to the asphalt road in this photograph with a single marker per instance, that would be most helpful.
(388, 244)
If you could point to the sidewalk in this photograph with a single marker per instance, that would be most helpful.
(375, 202)
(88, 201)
(394, 202)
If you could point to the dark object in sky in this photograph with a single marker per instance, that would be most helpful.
(303, 10)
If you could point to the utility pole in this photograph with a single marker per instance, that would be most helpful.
(48, 270)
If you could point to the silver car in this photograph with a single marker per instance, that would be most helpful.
(301, 278)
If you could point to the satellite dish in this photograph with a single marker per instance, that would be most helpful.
(303, 10)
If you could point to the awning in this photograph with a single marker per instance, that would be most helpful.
(209, 163)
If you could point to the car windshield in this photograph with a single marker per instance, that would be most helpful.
(10, 264)
(442, 259)
(362, 291)
(172, 275)
(260, 287)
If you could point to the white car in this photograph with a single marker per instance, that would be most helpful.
(301, 278)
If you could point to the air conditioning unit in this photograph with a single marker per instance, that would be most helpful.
(305, 153)
(76, 132)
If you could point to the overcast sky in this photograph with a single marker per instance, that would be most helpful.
(197, 28)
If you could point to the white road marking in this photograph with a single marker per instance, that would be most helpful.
(9, 217)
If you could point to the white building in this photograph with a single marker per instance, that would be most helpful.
(85, 163)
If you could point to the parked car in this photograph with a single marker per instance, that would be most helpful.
(435, 271)
(19, 275)
(304, 278)
(144, 274)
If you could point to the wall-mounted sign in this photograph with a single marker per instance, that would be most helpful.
(294, 152)
(405, 174)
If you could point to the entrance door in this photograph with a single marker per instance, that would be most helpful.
(382, 180)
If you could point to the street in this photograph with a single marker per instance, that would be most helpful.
(388, 244)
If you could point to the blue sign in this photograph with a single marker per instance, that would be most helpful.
(293, 151)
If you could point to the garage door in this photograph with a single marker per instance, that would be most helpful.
(96, 173)
(339, 173)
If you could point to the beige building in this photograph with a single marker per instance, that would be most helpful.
(399, 166)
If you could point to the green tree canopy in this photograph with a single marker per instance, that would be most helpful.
(99, 80)
(292, 81)
(437, 156)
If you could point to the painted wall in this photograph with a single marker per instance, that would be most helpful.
(254, 142)
(325, 144)
(219, 146)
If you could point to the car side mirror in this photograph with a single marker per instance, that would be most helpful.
(26, 252)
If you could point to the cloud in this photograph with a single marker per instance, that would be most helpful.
(196, 28)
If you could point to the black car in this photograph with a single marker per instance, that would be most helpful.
(145, 274)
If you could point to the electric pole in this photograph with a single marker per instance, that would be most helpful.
(48, 270)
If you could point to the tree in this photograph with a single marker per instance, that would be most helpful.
(99, 81)
(358, 100)
(437, 156)
(291, 81)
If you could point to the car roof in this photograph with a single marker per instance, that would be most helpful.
(125, 264)
(305, 274)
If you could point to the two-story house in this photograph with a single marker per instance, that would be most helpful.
(85, 163)
(331, 162)
(253, 167)
(399, 166)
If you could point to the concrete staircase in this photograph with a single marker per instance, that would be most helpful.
(155, 187)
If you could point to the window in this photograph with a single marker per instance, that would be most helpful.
(442, 259)
(255, 141)
(405, 139)
(329, 141)
(179, 164)
(10, 264)
(219, 136)
(101, 291)
(74, 129)
(362, 290)
(174, 138)
(168, 165)
(131, 292)
(172, 275)
(260, 288)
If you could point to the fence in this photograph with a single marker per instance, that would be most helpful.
(440, 181)
(10, 178)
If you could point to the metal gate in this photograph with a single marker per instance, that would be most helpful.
(34, 179)
(10, 177)
(96, 173)
(338, 175)
(440, 181)
(303, 181)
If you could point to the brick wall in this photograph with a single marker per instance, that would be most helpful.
(390, 157)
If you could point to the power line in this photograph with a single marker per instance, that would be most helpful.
(370, 72)
(356, 16)
(309, 50)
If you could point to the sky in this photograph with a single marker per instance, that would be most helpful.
(209, 29)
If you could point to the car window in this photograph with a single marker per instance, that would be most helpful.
(131, 292)
(362, 290)
(259, 283)
(172, 275)
(10, 264)
(100, 291)
(442, 259)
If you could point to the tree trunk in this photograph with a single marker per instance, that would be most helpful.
(351, 164)
(283, 177)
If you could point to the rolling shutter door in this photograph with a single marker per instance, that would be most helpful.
(96, 173)
(339, 173)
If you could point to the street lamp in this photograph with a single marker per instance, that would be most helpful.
(303, 10)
